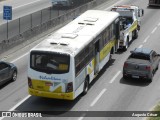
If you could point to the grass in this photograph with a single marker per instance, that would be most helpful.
(156, 108)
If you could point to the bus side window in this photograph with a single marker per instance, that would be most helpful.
(97, 46)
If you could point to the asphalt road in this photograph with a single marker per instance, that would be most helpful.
(108, 92)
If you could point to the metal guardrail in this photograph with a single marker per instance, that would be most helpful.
(26, 27)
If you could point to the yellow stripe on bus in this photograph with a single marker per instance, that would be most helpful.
(40, 85)
(105, 51)
(134, 26)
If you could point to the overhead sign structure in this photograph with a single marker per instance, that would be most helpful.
(7, 12)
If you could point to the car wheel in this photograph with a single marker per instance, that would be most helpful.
(157, 67)
(86, 86)
(150, 79)
(14, 76)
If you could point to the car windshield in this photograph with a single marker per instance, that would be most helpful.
(140, 56)
(48, 62)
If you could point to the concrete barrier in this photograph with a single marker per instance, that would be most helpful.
(21, 33)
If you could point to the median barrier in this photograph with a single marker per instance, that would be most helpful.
(29, 26)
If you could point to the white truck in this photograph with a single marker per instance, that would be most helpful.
(130, 23)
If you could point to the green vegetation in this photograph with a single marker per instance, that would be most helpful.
(157, 108)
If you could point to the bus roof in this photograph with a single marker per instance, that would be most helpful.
(71, 38)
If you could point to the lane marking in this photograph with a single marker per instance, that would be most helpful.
(19, 57)
(19, 103)
(83, 115)
(14, 107)
(113, 5)
(23, 5)
(114, 78)
(154, 30)
(81, 118)
(159, 24)
(98, 97)
(146, 39)
(140, 46)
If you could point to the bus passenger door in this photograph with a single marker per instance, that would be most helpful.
(97, 52)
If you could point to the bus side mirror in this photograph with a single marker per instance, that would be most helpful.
(140, 12)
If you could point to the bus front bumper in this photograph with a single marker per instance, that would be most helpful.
(65, 96)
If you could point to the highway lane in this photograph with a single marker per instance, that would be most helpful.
(118, 94)
(22, 7)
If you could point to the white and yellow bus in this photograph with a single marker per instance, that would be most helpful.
(64, 64)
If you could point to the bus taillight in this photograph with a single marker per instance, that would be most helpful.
(70, 87)
(30, 82)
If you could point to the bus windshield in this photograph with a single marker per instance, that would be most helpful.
(49, 62)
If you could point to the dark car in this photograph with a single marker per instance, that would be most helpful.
(142, 63)
(154, 3)
(8, 72)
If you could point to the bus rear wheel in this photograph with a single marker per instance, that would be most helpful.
(86, 86)
(135, 34)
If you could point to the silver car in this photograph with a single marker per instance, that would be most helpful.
(142, 63)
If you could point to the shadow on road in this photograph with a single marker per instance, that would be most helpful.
(5, 84)
(47, 106)
(109, 64)
(134, 82)
(153, 7)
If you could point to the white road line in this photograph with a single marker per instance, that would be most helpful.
(159, 24)
(19, 103)
(114, 5)
(14, 107)
(24, 5)
(154, 30)
(112, 80)
(98, 97)
(19, 57)
(83, 115)
(81, 118)
(146, 39)
(140, 46)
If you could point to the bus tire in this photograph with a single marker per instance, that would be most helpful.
(135, 34)
(112, 50)
(86, 86)
(139, 27)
